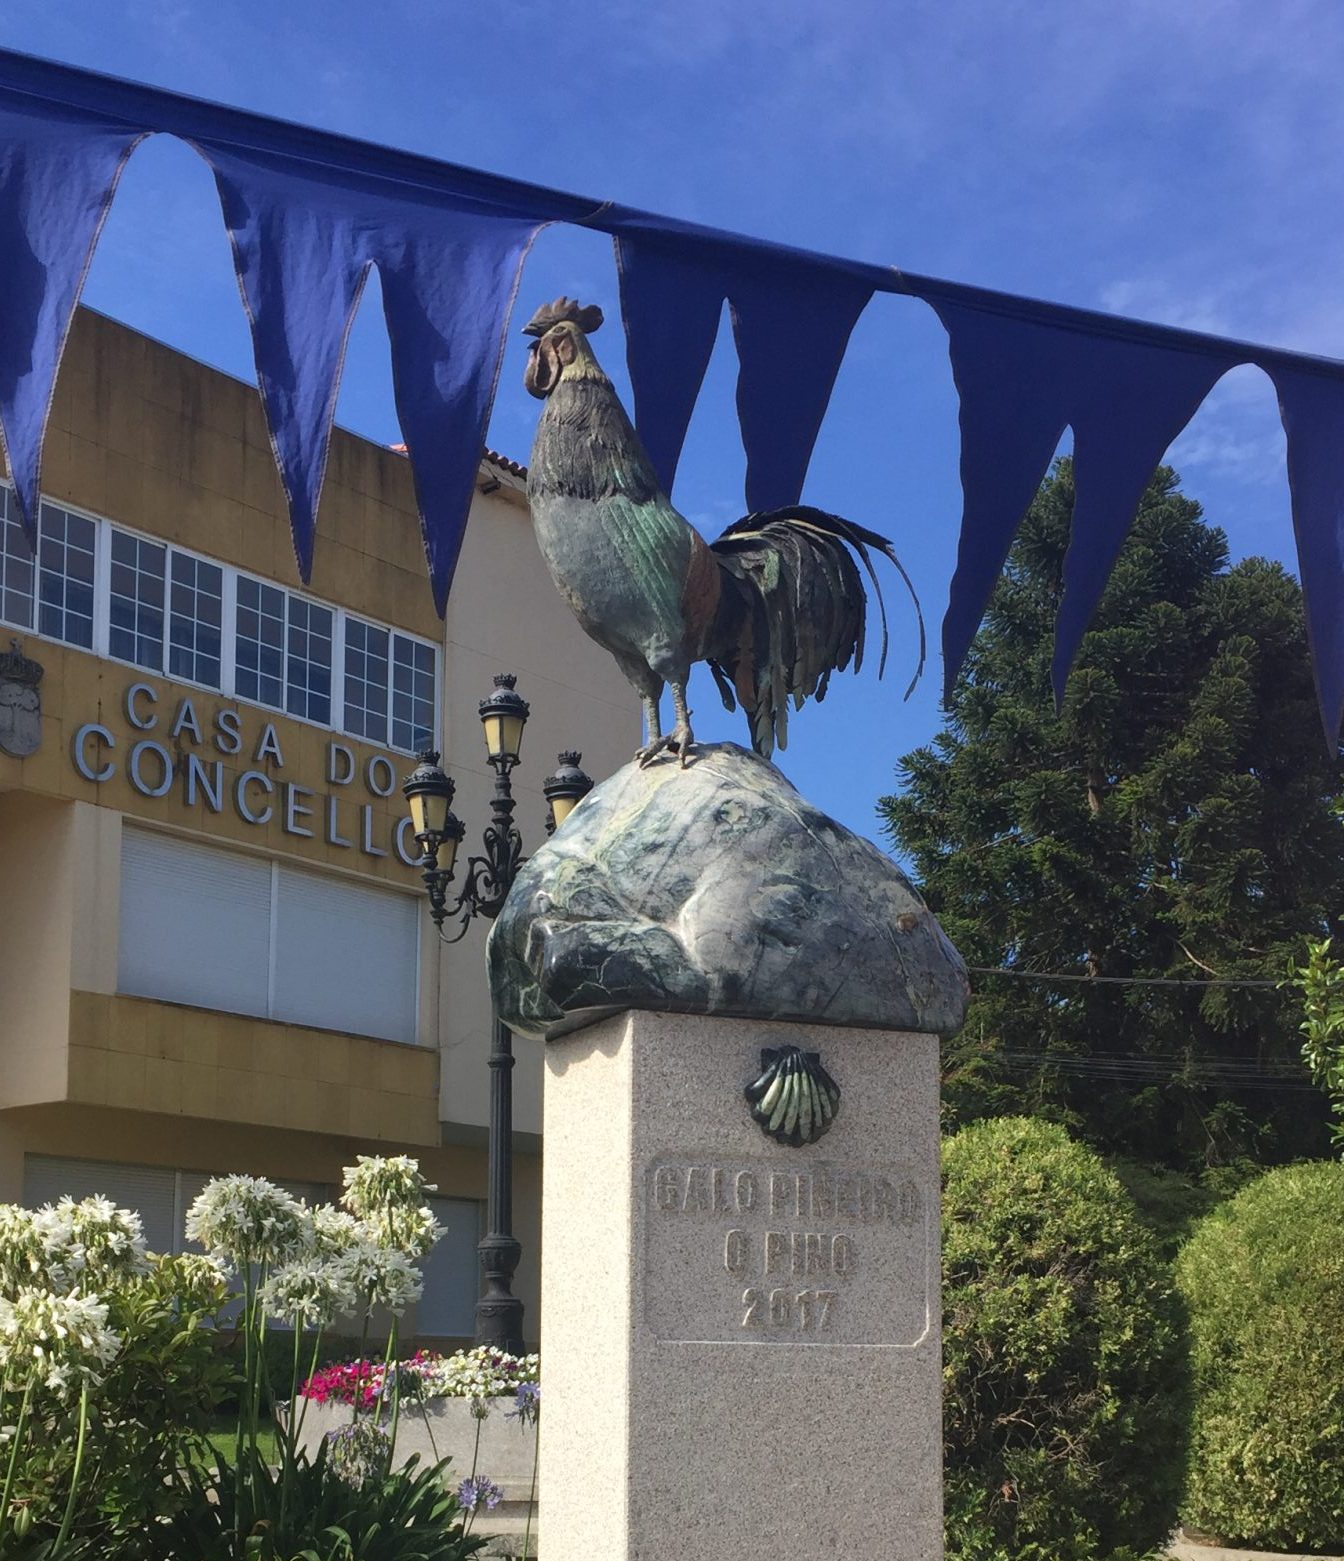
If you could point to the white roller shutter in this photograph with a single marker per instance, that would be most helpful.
(452, 1273)
(147, 1189)
(346, 956)
(220, 929)
(195, 923)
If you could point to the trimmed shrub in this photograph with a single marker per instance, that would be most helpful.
(1063, 1355)
(1263, 1277)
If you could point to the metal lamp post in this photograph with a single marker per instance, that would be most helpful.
(486, 883)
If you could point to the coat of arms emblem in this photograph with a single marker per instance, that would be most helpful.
(20, 703)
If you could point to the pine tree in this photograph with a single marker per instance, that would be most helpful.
(1172, 820)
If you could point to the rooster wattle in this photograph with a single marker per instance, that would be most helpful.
(775, 605)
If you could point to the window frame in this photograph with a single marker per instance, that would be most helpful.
(231, 574)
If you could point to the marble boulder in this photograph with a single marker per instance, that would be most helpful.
(718, 889)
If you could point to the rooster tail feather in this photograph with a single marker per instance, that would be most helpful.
(792, 612)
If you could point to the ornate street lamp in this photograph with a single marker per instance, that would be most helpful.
(486, 883)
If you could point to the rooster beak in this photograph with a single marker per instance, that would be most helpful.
(543, 368)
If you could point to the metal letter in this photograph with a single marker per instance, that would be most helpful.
(146, 723)
(269, 747)
(240, 796)
(228, 731)
(80, 741)
(366, 818)
(294, 810)
(333, 838)
(184, 720)
(383, 764)
(133, 768)
(335, 752)
(408, 858)
(211, 790)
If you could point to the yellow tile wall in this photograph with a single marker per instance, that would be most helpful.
(140, 1055)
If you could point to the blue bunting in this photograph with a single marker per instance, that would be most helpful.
(792, 321)
(1021, 384)
(304, 241)
(310, 214)
(1312, 408)
(58, 169)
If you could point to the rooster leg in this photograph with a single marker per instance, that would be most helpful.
(657, 742)
(682, 737)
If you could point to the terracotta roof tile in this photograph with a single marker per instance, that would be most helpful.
(514, 468)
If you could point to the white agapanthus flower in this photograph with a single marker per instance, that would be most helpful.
(197, 1279)
(335, 1231)
(20, 1250)
(59, 1341)
(380, 1276)
(89, 1242)
(247, 1219)
(387, 1192)
(310, 1291)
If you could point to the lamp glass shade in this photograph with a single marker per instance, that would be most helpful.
(429, 795)
(503, 734)
(445, 854)
(561, 808)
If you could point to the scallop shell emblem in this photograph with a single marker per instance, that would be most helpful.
(794, 1100)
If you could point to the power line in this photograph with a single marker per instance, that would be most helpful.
(1042, 975)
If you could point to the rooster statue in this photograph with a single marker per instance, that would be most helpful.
(774, 606)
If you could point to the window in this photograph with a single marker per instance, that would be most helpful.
(135, 600)
(152, 605)
(412, 695)
(195, 620)
(259, 649)
(452, 1272)
(375, 682)
(16, 566)
(150, 1191)
(226, 930)
(308, 675)
(366, 668)
(65, 544)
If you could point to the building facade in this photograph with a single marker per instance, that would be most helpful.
(217, 955)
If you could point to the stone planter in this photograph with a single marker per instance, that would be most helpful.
(445, 1428)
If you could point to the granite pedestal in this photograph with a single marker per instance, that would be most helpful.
(740, 1340)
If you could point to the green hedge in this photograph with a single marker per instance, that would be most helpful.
(1263, 1277)
(1064, 1409)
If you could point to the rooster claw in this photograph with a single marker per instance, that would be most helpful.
(678, 741)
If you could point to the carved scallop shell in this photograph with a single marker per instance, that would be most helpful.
(794, 1100)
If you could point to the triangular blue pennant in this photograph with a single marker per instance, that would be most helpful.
(1021, 383)
(304, 238)
(58, 171)
(791, 325)
(1312, 409)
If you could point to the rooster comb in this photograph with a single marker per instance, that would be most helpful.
(586, 318)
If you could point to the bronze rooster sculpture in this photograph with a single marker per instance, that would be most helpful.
(775, 605)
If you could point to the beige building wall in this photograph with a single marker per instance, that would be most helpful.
(159, 444)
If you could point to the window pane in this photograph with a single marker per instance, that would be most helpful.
(16, 565)
(195, 616)
(136, 605)
(365, 680)
(65, 576)
(260, 647)
(413, 695)
(308, 674)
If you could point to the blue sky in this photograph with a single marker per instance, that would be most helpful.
(1177, 160)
